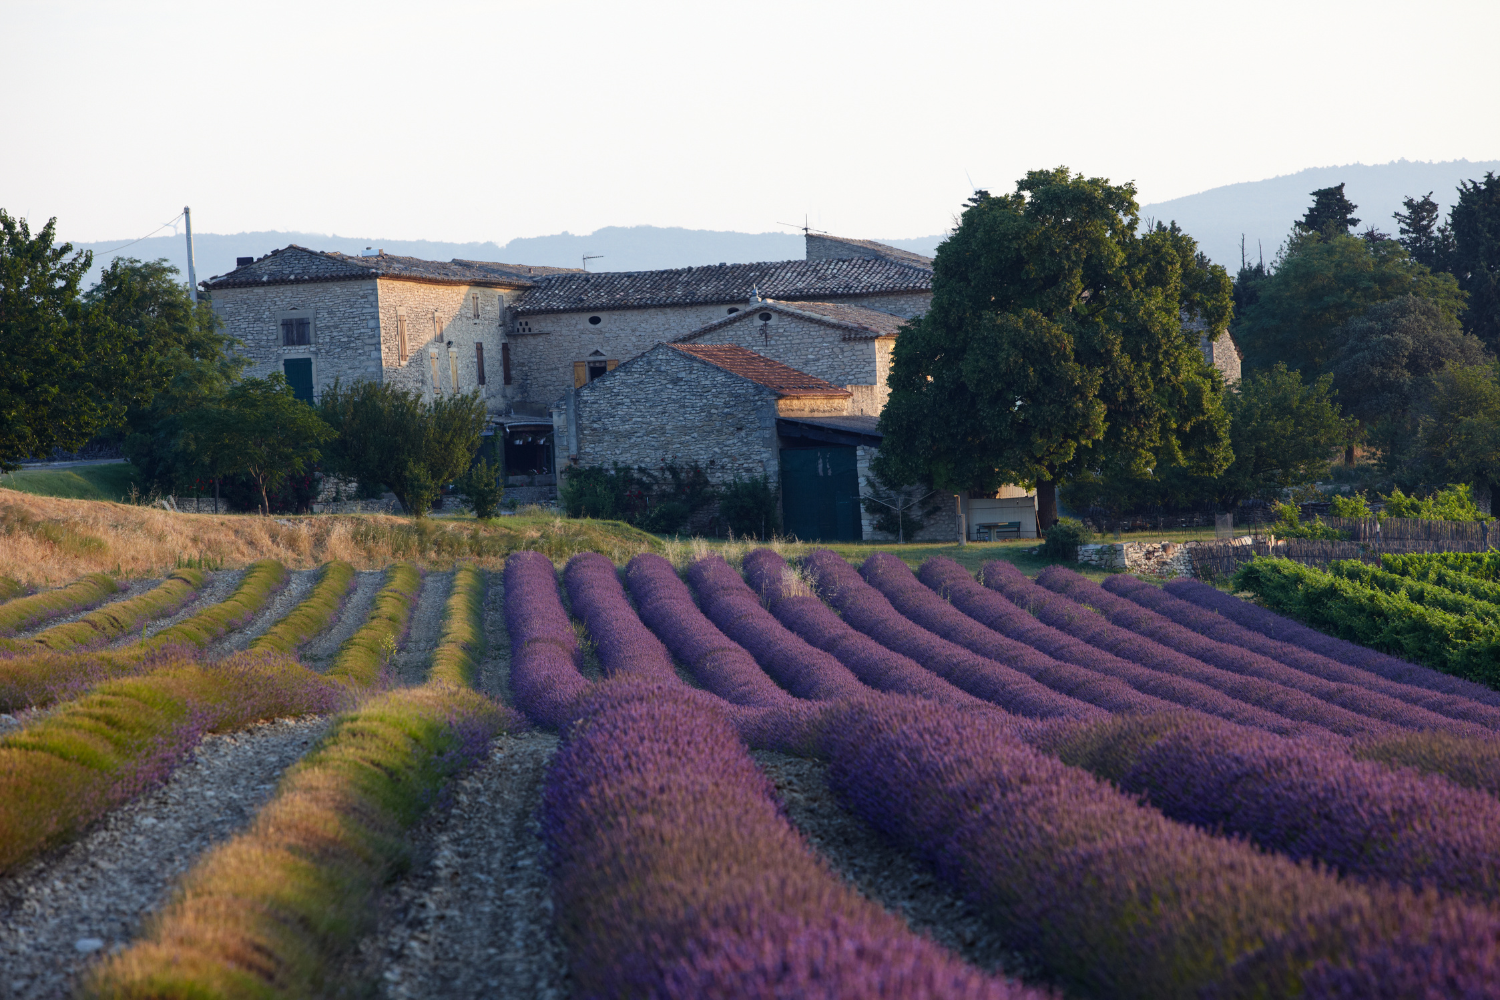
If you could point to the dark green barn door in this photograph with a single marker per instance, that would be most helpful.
(299, 377)
(820, 493)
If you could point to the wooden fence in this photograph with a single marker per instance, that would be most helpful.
(1211, 559)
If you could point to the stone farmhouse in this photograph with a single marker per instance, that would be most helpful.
(774, 368)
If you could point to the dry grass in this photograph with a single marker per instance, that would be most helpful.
(49, 541)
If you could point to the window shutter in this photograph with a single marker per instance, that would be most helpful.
(479, 361)
(401, 338)
(580, 374)
(610, 365)
(476, 306)
(505, 362)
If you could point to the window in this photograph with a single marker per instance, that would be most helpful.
(595, 320)
(401, 348)
(733, 310)
(437, 327)
(596, 369)
(523, 326)
(476, 305)
(479, 361)
(296, 332)
(453, 368)
(299, 375)
(764, 317)
(504, 363)
(437, 387)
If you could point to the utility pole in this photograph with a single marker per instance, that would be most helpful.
(187, 218)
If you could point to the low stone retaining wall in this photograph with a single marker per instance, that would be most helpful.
(1148, 558)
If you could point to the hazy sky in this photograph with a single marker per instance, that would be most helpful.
(488, 121)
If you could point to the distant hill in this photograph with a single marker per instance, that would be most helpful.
(1263, 211)
(620, 248)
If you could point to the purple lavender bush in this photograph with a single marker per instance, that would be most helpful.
(545, 679)
(1113, 898)
(731, 605)
(1121, 685)
(626, 647)
(1305, 800)
(1299, 714)
(717, 895)
(1282, 629)
(811, 620)
(868, 610)
(1143, 621)
(1221, 628)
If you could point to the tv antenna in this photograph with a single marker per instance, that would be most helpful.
(804, 227)
(589, 257)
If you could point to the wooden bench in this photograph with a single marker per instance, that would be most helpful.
(993, 531)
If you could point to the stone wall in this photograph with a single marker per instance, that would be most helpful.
(804, 344)
(438, 316)
(1170, 559)
(665, 407)
(545, 346)
(345, 327)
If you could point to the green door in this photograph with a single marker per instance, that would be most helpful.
(299, 377)
(820, 493)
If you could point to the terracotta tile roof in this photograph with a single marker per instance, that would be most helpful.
(296, 264)
(821, 246)
(855, 322)
(787, 279)
(774, 375)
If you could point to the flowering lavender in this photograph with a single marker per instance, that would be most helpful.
(1308, 801)
(1112, 897)
(1282, 629)
(545, 679)
(1114, 683)
(1085, 624)
(626, 647)
(717, 895)
(871, 662)
(1343, 697)
(803, 670)
(1221, 628)
(867, 610)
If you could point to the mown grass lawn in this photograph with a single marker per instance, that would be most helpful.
(82, 482)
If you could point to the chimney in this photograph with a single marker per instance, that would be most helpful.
(371, 252)
(243, 261)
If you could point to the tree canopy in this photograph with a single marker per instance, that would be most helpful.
(1331, 214)
(1475, 259)
(261, 429)
(63, 360)
(1319, 283)
(1428, 242)
(1056, 327)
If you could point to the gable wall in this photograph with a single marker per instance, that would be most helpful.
(808, 346)
(346, 334)
(447, 311)
(665, 407)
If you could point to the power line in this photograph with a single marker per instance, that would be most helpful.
(164, 225)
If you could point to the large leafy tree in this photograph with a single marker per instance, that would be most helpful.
(180, 364)
(61, 361)
(387, 435)
(261, 429)
(1475, 221)
(1320, 282)
(1460, 440)
(1055, 341)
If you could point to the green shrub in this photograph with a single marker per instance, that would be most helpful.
(421, 491)
(363, 655)
(666, 518)
(115, 620)
(1430, 594)
(1289, 524)
(27, 611)
(1064, 537)
(749, 507)
(1352, 505)
(461, 641)
(262, 579)
(314, 614)
(480, 491)
(1456, 503)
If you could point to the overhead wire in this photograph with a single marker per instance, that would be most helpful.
(164, 225)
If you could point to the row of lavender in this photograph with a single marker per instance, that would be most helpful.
(1238, 917)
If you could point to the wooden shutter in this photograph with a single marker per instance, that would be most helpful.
(580, 374)
(505, 362)
(479, 360)
(610, 365)
(401, 339)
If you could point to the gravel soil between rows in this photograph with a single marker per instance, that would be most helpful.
(474, 916)
(351, 616)
(299, 584)
(64, 910)
(884, 873)
(493, 675)
(133, 588)
(415, 655)
(216, 587)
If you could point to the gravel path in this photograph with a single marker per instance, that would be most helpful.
(473, 918)
(299, 584)
(493, 675)
(133, 588)
(415, 655)
(216, 587)
(88, 898)
(886, 874)
(354, 613)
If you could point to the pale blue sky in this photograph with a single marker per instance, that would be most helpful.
(490, 121)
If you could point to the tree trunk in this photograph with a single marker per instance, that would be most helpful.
(1046, 503)
(1349, 456)
(265, 503)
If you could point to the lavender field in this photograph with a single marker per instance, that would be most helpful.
(759, 779)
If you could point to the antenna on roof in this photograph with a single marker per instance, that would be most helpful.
(804, 227)
(589, 257)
